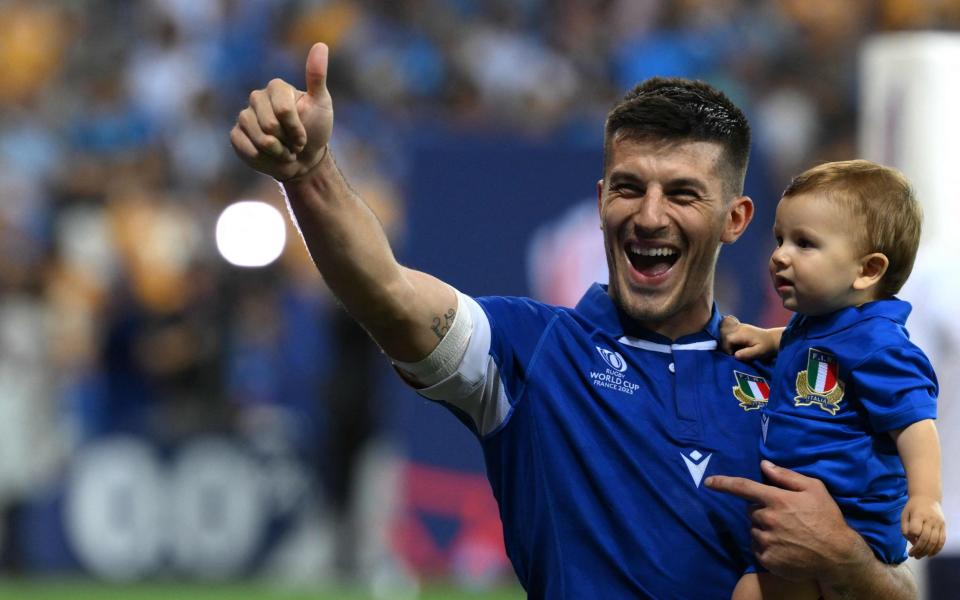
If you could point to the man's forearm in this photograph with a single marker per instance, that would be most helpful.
(285, 133)
(863, 577)
(344, 238)
(799, 533)
(350, 249)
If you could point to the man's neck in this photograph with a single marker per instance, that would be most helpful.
(676, 326)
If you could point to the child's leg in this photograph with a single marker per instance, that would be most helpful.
(760, 586)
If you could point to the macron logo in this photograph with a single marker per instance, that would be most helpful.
(764, 423)
(697, 464)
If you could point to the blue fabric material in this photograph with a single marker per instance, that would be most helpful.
(598, 468)
(886, 382)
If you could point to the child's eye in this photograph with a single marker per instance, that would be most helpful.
(779, 241)
(804, 243)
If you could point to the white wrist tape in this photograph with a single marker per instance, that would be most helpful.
(446, 357)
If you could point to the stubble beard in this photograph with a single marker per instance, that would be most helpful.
(656, 309)
(645, 309)
(642, 309)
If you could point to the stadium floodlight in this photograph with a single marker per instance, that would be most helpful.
(250, 233)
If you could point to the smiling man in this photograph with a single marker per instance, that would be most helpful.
(600, 423)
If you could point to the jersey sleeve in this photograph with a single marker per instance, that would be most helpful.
(492, 374)
(896, 386)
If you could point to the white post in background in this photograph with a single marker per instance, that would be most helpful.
(910, 119)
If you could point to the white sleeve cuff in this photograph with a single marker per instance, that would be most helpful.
(447, 356)
(461, 372)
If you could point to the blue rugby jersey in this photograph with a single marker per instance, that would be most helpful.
(596, 445)
(842, 381)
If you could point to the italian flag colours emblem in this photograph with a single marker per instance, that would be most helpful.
(751, 391)
(821, 371)
(819, 384)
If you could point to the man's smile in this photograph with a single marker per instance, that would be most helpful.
(651, 261)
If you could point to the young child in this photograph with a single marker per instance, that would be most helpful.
(853, 400)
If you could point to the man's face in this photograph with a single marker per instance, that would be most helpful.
(664, 217)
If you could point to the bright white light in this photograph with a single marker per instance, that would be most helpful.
(250, 234)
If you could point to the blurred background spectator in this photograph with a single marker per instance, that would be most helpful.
(119, 320)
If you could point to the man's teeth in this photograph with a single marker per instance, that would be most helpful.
(653, 251)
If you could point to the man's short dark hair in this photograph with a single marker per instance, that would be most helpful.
(676, 109)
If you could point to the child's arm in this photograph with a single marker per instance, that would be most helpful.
(922, 522)
(747, 342)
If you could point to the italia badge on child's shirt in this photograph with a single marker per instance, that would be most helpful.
(819, 385)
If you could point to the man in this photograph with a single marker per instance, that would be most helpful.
(598, 424)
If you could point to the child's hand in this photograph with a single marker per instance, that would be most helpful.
(747, 342)
(923, 525)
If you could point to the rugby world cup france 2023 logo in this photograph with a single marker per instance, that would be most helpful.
(613, 359)
(613, 377)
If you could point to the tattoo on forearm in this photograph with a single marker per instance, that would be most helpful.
(441, 325)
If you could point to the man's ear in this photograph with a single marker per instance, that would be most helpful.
(872, 269)
(739, 215)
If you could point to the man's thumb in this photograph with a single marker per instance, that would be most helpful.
(316, 70)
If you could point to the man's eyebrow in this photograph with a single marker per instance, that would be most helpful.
(623, 176)
(687, 182)
(680, 182)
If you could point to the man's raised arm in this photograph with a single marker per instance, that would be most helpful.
(799, 533)
(284, 133)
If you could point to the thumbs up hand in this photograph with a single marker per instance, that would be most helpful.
(284, 131)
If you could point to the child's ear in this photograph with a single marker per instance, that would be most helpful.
(872, 269)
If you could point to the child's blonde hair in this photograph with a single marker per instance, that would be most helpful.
(882, 200)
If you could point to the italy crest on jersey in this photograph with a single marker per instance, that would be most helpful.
(819, 385)
(751, 391)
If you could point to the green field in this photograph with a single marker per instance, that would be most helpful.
(87, 590)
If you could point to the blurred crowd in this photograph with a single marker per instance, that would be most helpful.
(117, 314)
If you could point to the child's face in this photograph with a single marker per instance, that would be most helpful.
(816, 260)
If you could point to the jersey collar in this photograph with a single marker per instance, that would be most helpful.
(597, 307)
(892, 308)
